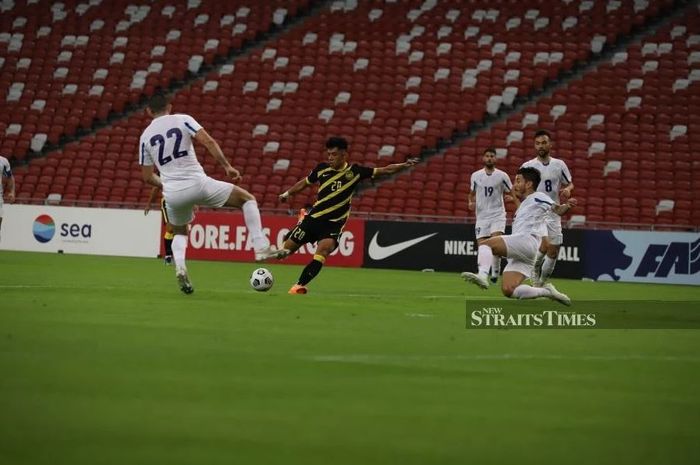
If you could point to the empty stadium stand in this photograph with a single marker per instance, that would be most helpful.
(395, 77)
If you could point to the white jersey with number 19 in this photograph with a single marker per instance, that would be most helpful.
(489, 189)
(167, 144)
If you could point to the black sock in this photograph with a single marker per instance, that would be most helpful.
(168, 247)
(310, 272)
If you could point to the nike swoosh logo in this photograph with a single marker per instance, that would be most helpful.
(378, 252)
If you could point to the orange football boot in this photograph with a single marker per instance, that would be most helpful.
(298, 289)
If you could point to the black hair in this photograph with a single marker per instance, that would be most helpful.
(490, 150)
(339, 143)
(158, 103)
(532, 175)
(543, 132)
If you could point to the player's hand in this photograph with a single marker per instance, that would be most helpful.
(572, 203)
(565, 194)
(10, 197)
(471, 206)
(283, 196)
(233, 173)
(146, 210)
(410, 162)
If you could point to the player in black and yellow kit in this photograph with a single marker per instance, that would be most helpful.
(168, 235)
(338, 181)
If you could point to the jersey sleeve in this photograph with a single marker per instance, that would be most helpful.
(472, 182)
(313, 175)
(565, 174)
(6, 170)
(145, 156)
(190, 124)
(365, 172)
(543, 201)
(507, 185)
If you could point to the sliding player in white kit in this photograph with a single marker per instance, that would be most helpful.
(167, 144)
(521, 246)
(555, 174)
(6, 172)
(488, 186)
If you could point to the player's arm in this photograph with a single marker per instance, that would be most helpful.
(151, 198)
(203, 137)
(567, 182)
(563, 209)
(508, 195)
(10, 188)
(471, 200)
(565, 193)
(299, 186)
(395, 167)
(512, 198)
(150, 177)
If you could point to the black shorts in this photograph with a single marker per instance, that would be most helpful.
(313, 230)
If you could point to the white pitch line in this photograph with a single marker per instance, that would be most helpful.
(247, 291)
(392, 359)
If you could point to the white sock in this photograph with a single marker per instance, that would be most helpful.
(538, 259)
(179, 250)
(484, 259)
(525, 291)
(251, 215)
(548, 268)
(496, 266)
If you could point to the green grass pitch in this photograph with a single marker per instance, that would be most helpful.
(104, 361)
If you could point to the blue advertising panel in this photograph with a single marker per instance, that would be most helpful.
(641, 256)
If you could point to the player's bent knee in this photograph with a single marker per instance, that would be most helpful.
(238, 197)
(553, 251)
(508, 290)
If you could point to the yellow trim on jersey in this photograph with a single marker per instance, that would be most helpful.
(164, 210)
(342, 189)
(374, 172)
(335, 177)
(347, 213)
(330, 209)
(325, 169)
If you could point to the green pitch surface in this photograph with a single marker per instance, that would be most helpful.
(104, 361)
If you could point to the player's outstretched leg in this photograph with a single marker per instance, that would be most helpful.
(512, 286)
(309, 272)
(554, 294)
(495, 269)
(168, 245)
(484, 261)
(179, 253)
(547, 268)
(536, 276)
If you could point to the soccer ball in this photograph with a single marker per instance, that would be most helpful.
(261, 280)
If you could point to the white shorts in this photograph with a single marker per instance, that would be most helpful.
(488, 226)
(209, 192)
(521, 251)
(551, 229)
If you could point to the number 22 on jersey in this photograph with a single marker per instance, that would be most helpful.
(159, 140)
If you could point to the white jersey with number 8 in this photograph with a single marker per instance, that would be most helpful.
(553, 175)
